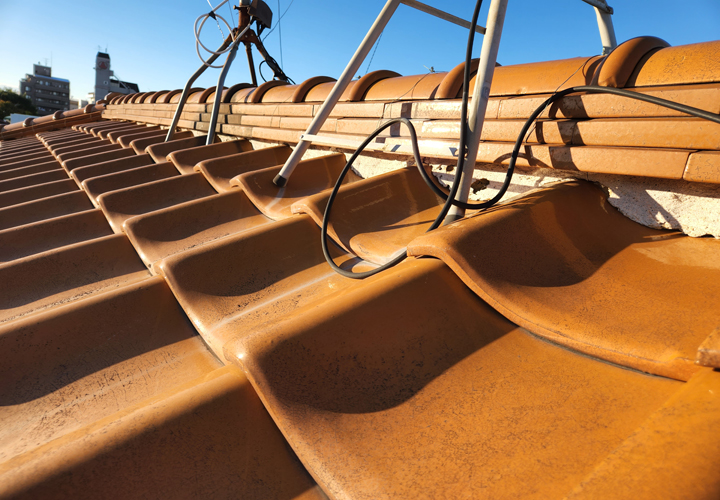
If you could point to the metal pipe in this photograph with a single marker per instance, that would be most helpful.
(481, 94)
(607, 30)
(218, 92)
(601, 5)
(337, 91)
(184, 96)
(251, 63)
(220, 5)
(441, 15)
(200, 71)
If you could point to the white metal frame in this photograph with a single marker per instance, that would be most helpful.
(607, 31)
(350, 70)
(481, 93)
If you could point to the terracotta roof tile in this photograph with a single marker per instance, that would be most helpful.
(186, 159)
(389, 355)
(312, 176)
(125, 140)
(163, 232)
(38, 237)
(241, 259)
(33, 169)
(225, 266)
(703, 167)
(302, 90)
(45, 208)
(685, 64)
(549, 301)
(140, 145)
(82, 160)
(230, 93)
(33, 192)
(405, 88)
(32, 179)
(121, 204)
(160, 150)
(67, 274)
(220, 171)
(377, 218)
(109, 167)
(95, 186)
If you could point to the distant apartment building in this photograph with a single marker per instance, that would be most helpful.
(78, 103)
(106, 81)
(47, 93)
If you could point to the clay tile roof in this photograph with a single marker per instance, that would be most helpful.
(302, 90)
(169, 323)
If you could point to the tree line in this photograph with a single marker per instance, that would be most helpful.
(12, 102)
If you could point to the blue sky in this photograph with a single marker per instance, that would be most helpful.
(152, 44)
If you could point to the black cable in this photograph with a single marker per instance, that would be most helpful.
(462, 147)
(699, 113)
(418, 160)
(450, 198)
(336, 188)
(277, 70)
(260, 70)
(279, 74)
(696, 112)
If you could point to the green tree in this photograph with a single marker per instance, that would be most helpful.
(12, 102)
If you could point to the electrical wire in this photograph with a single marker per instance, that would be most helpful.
(198, 43)
(278, 22)
(592, 89)
(272, 63)
(696, 112)
(522, 136)
(197, 30)
(345, 170)
(561, 84)
(279, 74)
(232, 14)
(462, 151)
(260, 70)
(372, 56)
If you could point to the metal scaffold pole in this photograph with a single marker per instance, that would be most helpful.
(481, 95)
(332, 99)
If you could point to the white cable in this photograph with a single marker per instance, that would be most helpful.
(197, 30)
(199, 44)
(220, 5)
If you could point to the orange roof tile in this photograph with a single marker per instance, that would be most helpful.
(167, 314)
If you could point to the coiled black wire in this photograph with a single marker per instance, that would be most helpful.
(450, 198)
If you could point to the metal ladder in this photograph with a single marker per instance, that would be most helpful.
(481, 93)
